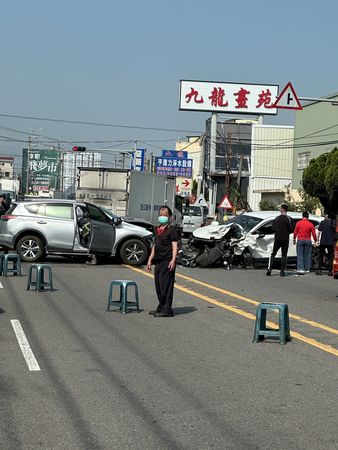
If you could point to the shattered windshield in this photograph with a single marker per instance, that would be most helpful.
(246, 222)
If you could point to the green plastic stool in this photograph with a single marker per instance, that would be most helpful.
(36, 277)
(5, 261)
(123, 303)
(262, 332)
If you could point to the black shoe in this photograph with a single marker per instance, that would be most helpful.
(330, 274)
(282, 274)
(155, 311)
(319, 272)
(268, 273)
(164, 314)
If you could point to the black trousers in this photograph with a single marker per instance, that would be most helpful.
(164, 285)
(329, 256)
(278, 244)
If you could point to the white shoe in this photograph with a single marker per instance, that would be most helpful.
(301, 272)
(306, 271)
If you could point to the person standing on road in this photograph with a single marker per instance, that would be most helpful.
(303, 231)
(326, 238)
(163, 254)
(282, 228)
(3, 205)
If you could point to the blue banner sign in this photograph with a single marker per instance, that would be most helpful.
(138, 160)
(176, 167)
(174, 154)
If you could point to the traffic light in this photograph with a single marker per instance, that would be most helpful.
(79, 149)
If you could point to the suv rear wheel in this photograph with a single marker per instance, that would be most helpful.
(30, 248)
(134, 252)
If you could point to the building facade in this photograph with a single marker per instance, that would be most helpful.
(194, 146)
(70, 162)
(316, 132)
(271, 164)
(7, 167)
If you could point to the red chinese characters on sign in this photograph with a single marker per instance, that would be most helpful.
(216, 97)
(264, 99)
(194, 94)
(242, 98)
(219, 99)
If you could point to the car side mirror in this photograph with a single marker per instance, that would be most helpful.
(116, 221)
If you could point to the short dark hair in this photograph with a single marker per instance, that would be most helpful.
(305, 214)
(167, 208)
(284, 206)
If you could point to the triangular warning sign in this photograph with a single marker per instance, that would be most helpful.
(225, 203)
(287, 99)
(200, 201)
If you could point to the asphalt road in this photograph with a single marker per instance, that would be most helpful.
(194, 381)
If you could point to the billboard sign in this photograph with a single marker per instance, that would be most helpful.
(222, 97)
(176, 167)
(43, 170)
(174, 154)
(138, 160)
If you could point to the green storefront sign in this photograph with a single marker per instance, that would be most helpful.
(40, 170)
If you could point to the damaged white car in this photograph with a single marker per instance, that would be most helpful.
(243, 241)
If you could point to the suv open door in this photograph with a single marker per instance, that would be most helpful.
(102, 231)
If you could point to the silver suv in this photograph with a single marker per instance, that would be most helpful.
(68, 227)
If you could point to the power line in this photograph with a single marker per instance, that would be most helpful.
(98, 124)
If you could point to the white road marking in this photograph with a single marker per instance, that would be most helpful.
(25, 347)
(1, 286)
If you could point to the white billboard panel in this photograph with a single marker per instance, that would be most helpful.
(220, 97)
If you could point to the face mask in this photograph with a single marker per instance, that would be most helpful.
(163, 220)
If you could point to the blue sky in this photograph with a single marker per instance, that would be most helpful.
(121, 62)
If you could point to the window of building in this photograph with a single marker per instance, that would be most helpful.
(303, 160)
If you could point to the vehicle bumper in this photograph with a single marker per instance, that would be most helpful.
(6, 241)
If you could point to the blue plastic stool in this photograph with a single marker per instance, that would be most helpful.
(39, 281)
(262, 332)
(5, 267)
(123, 302)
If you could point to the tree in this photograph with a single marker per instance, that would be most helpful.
(266, 205)
(320, 179)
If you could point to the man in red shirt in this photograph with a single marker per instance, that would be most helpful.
(303, 231)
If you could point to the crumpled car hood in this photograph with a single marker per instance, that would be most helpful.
(212, 232)
(232, 232)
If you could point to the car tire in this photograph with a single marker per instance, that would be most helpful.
(134, 252)
(210, 257)
(30, 248)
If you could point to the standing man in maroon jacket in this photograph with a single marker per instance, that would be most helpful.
(303, 232)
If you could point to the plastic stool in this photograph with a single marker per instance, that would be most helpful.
(4, 264)
(39, 282)
(123, 302)
(261, 332)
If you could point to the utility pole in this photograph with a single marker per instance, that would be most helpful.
(201, 167)
(228, 164)
(30, 141)
(212, 162)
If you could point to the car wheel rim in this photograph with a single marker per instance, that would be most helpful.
(30, 248)
(134, 252)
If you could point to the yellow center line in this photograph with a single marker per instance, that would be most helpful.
(254, 302)
(234, 309)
